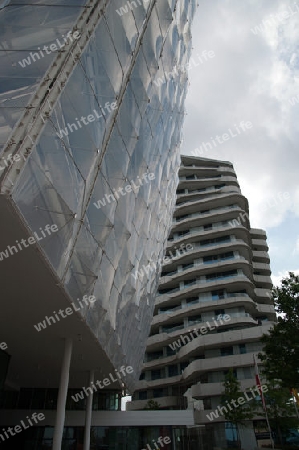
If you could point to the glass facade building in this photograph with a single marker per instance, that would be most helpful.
(91, 109)
(114, 62)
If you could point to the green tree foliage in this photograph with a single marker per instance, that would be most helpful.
(280, 408)
(281, 345)
(236, 415)
(152, 404)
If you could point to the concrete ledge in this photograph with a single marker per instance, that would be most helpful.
(106, 418)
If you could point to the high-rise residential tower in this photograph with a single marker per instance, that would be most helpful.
(214, 301)
(91, 111)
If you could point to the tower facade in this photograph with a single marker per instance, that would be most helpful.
(213, 303)
(91, 111)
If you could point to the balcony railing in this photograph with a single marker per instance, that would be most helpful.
(171, 310)
(187, 178)
(192, 232)
(200, 282)
(205, 299)
(207, 190)
(200, 214)
(170, 330)
(189, 266)
(173, 240)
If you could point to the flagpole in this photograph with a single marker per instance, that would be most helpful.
(295, 396)
(258, 383)
(296, 408)
(269, 428)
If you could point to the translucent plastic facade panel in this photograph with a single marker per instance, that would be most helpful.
(25, 28)
(78, 170)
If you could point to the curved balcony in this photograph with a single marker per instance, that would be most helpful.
(229, 214)
(197, 183)
(239, 262)
(263, 296)
(246, 333)
(211, 205)
(210, 166)
(198, 250)
(186, 311)
(264, 268)
(162, 382)
(233, 283)
(260, 245)
(267, 310)
(200, 366)
(202, 390)
(202, 215)
(202, 173)
(261, 256)
(257, 233)
(207, 192)
(231, 189)
(263, 281)
(164, 402)
(249, 331)
(194, 285)
(203, 305)
(189, 235)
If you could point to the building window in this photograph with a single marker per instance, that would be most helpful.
(184, 365)
(227, 351)
(217, 295)
(183, 232)
(242, 348)
(231, 435)
(170, 352)
(225, 372)
(156, 374)
(190, 282)
(215, 240)
(143, 395)
(187, 266)
(172, 327)
(192, 300)
(263, 318)
(25, 398)
(219, 312)
(179, 218)
(194, 319)
(227, 255)
(219, 275)
(38, 399)
(154, 355)
(173, 370)
(158, 392)
(207, 403)
(210, 259)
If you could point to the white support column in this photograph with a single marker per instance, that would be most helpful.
(88, 415)
(62, 394)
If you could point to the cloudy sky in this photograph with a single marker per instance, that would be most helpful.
(252, 75)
